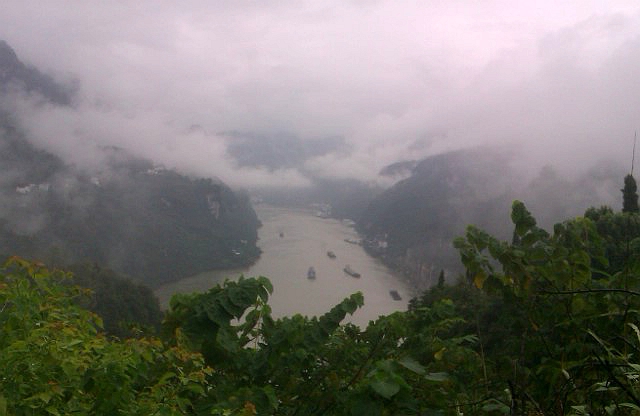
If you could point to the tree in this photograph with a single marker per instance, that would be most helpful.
(630, 195)
(125, 307)
(621, 234)
(559, 336)
(441, 279)
(55, 360)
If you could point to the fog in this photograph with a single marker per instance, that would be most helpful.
(376, 81)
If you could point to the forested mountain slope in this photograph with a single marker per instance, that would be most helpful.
(139, 219)
(411, 225)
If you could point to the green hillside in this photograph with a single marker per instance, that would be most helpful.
(543, 325)
(125, 213)
(411, 225)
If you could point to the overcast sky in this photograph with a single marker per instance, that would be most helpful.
(397, 79)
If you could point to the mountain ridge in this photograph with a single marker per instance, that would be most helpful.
(14, 74)
(139, 219)
(412, 224)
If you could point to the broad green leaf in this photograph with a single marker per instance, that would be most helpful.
(227, 339)
(386, 366)
(73, 343)
(437, 376)
(52, 411)
(385, 387)
(580, 410)
(166, 376)
(266, 283)
(630, 406)
(241, 296)
(411, 364)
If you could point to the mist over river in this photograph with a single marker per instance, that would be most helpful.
(291, 242)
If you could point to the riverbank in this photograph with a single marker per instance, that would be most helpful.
(294, 240)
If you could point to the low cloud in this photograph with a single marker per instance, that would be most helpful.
(79, 135)
(394, 80)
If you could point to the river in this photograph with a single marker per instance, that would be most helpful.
(291, 242)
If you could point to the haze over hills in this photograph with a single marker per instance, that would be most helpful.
(15, 75)
(412, 224)
(280, 150)
(186, 225)
(133, 136)
(560, 85)
(144, 221)
(346, 196)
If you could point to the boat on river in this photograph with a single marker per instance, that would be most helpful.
(348, 270)
(311, 273)
(395, 295)
(331, 254)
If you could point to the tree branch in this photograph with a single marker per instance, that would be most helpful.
(620, 384)
(578, 291)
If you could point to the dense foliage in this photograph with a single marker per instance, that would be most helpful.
(222, 354)
(126, 308)
(54, 360)
(541, 325)
(559, 332)
(621, 237)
